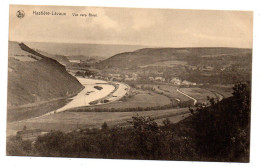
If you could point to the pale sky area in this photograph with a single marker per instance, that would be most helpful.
(133, 26)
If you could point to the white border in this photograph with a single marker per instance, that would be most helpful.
(251, 5)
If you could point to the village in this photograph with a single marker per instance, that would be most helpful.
(134, 77)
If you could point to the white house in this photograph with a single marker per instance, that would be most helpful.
(159, 79)
(176, 81)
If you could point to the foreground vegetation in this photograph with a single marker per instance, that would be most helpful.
(220, 132)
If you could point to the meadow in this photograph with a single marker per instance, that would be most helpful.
(68, 121)
(199, 94)
(141, 99)
(224, 90)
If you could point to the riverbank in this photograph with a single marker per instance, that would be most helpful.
(22, 112)
(87, 95)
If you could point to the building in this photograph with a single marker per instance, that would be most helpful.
(187, 83)
(130, 79)
(151, 78)
(74, 61)
(176, 81)
(160, 79)
(208, 68)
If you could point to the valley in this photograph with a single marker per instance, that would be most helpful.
(148, 82)
(130, 83)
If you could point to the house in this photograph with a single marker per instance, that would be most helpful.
(74, 61)
(160, 79)
(130, 79)
(192, 67)
(208, 68)
(134, 75)
(151, 78)
(186, 82)
(176, 81)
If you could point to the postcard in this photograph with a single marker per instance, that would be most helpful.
(129, 83)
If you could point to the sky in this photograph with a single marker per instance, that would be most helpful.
(133, 26)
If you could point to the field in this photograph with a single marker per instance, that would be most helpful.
(199, 94)
(172, 90)
(224, 90)
(141, 99)
(18, 114)
(67, 121)
(173, 119)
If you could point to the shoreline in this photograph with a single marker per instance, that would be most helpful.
(23, 106)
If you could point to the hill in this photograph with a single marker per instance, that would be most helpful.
(192, 56)
(198, 65)
(60, 58)
(82, 49)
(35, 78)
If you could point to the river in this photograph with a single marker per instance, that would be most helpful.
(90, 93)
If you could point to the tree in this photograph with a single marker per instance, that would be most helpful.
(142, 123)
(146, 136)
(242, 94)
(222, 129)
(78, 73)
(51, 144)
(15, 146)
(104, 126)
(166, 122)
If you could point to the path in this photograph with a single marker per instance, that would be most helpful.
(195, 100)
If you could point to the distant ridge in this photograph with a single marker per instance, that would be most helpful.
(147, 56)
(83, 49)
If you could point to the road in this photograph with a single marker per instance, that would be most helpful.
(195, 100)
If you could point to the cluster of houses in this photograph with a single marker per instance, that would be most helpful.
(74, 61)
(122, 77)
(175, 81)
(134, 76)
(187, 83)
(200, 68)
(157, 79)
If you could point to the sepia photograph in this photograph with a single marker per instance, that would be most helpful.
(129, 83)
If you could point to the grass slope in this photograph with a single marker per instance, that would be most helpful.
(42, 79)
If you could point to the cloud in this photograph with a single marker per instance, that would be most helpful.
(157, 27)
(103, 20)
(142, 19)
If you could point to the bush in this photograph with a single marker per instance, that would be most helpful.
(15, 146)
